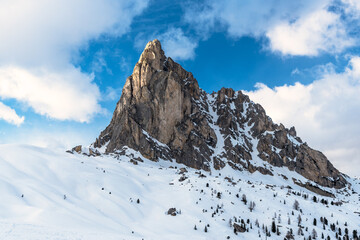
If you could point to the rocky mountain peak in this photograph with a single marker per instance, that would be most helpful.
(164, 115)
(153, 55)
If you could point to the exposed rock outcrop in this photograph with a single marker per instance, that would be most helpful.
(163, 114)
(160, 113)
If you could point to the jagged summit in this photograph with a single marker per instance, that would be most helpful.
(153, 54)
(164, 115)
(155, 98)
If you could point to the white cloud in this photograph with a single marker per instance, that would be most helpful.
(177, 45)
(247, 17)
(174, 42)
(69, 95)
(305, 27)
(325, 112)
(295, 71)
(49, 32)
(39, 41)
(9, 115)
(99, 63)
(309, 35)
(352, 7)
(111, 94)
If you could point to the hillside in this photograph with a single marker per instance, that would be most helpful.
(34, 181)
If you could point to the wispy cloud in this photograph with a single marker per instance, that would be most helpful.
(99, 63)
(174, 41)
(295, 71)
(177, 45)
(9, 115)
(111, 94)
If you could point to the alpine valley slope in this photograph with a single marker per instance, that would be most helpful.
(53, 195)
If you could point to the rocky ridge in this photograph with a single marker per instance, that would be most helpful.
(164, 115)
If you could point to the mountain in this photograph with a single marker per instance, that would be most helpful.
(165, 115)
(177, 163)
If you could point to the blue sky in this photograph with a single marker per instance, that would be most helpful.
(63, 65)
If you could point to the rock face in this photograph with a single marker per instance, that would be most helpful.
(163, 114)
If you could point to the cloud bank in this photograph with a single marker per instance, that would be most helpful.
(319, 31)
(37, 49)
(69, 95)
(295, 28)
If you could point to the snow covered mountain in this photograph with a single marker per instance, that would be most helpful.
(178, 163)
(164, 115)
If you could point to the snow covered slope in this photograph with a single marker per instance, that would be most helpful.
(47, 194)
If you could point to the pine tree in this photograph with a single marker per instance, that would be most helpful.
(355, 235)
(243, 199)
(257, 223)
(252, 206)
(273, 227)
(314, 234)
(325, 221)
(300, 231)
(296, 205)
(299, 219)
